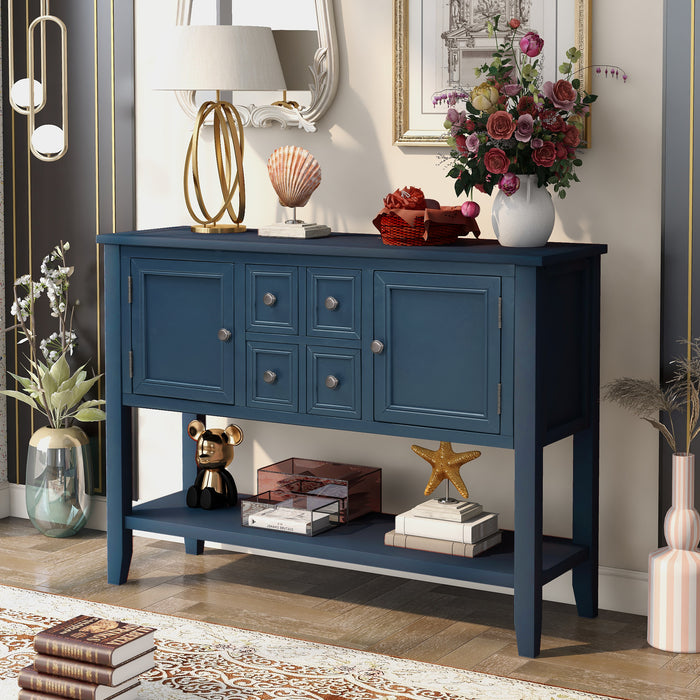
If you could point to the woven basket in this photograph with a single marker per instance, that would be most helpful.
(395, 231)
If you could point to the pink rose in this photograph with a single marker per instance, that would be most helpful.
(572, 136)
(510, 184)
(562, 93)
(531, 44)
(545, 155)
(536, 143)
(511, 89)
(500, 126)
(496, 161)
(524, 128)
(473, 143)
(471, 209)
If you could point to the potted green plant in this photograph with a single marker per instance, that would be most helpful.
(58, 478)
(674, 570)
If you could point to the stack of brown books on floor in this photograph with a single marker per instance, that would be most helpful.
(88, 658)
(460, 528)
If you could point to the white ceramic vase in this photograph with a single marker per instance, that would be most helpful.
(525, 218)
(674, 571)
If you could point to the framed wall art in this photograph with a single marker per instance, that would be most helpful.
(439, 43)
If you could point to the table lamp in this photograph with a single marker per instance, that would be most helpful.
(219, 57)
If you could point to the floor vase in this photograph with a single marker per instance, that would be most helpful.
(674, 571)
(524, 218)
(59, 481)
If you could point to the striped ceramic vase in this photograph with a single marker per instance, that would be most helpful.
(674, 571)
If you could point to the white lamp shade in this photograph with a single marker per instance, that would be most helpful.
(219, 57)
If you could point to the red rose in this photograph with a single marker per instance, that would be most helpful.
(496, 161)
(552, 121)
(469, 125)
(545, 155)
(406, 198)
(562, 151)
(500, 126)
(461, 144)
(562, 94)
(514, 23)
(526, 105)
(572, 136)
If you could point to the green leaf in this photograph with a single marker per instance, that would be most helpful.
(578, 162)
(60, 371)
(565, 68)
(90, 415)
(81, 389)
(24, 381)
(49, 383)
(20, 397)
(576, 83)
(60, 400)
(459, 187)
(562, 194)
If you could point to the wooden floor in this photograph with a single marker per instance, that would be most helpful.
(416, 620)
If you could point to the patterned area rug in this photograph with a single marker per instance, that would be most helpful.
(213, 662)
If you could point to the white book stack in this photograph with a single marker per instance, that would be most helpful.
(460, 528)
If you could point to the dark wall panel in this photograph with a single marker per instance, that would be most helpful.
(89, 190)
(680, 285)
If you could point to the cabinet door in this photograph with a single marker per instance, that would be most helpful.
(178, 309)
(441, 356)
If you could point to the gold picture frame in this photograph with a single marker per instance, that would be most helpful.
(405, 130)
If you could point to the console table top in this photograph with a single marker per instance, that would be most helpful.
(357, 245)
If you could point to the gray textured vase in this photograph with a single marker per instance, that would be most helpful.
(59, 481)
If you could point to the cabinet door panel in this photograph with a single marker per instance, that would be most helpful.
(440, 366)
(273, 376)
(178, 308)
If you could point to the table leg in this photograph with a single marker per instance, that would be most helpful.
(528, 551)
(119, 485)
(189, 473)
(585, 520)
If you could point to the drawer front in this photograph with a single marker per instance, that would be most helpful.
(440, 365)
(334, 302)
(273, 376)
(178, 309)
(333, 380)
(272, 293)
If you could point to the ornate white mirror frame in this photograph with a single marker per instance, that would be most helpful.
(323, 76)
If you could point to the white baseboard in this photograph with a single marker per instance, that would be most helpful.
(4, 499)
(619, 589)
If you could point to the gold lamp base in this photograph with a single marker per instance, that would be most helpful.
(228, 147)
(218, 228)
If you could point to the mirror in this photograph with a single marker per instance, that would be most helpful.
(306, 42)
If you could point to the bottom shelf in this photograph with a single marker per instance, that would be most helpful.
(359, 542)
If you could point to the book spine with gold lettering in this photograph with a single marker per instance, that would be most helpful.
(30, 679)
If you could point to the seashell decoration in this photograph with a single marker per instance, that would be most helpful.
(294, 174)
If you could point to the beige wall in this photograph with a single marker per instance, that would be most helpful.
(618, 203)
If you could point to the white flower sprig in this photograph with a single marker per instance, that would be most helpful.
(50, 387)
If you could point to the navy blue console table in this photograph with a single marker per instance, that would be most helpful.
(474, 343)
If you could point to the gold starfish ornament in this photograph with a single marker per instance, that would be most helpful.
(446, 463)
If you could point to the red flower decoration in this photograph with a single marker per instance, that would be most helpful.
(405, 198)
(496, 161)
(545, 155)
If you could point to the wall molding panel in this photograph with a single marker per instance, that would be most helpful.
(88, 191)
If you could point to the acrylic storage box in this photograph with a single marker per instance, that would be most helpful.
(358, 488)
(301, 514)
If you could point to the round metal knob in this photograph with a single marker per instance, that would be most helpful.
(224, 335)
(332, 382)
(269, 376)
(377, 347)
(269, 299)
(331, 303)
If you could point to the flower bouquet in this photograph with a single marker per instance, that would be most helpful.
(514, 124)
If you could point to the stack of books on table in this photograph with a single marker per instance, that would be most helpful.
(88, 658)
(461, 528)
